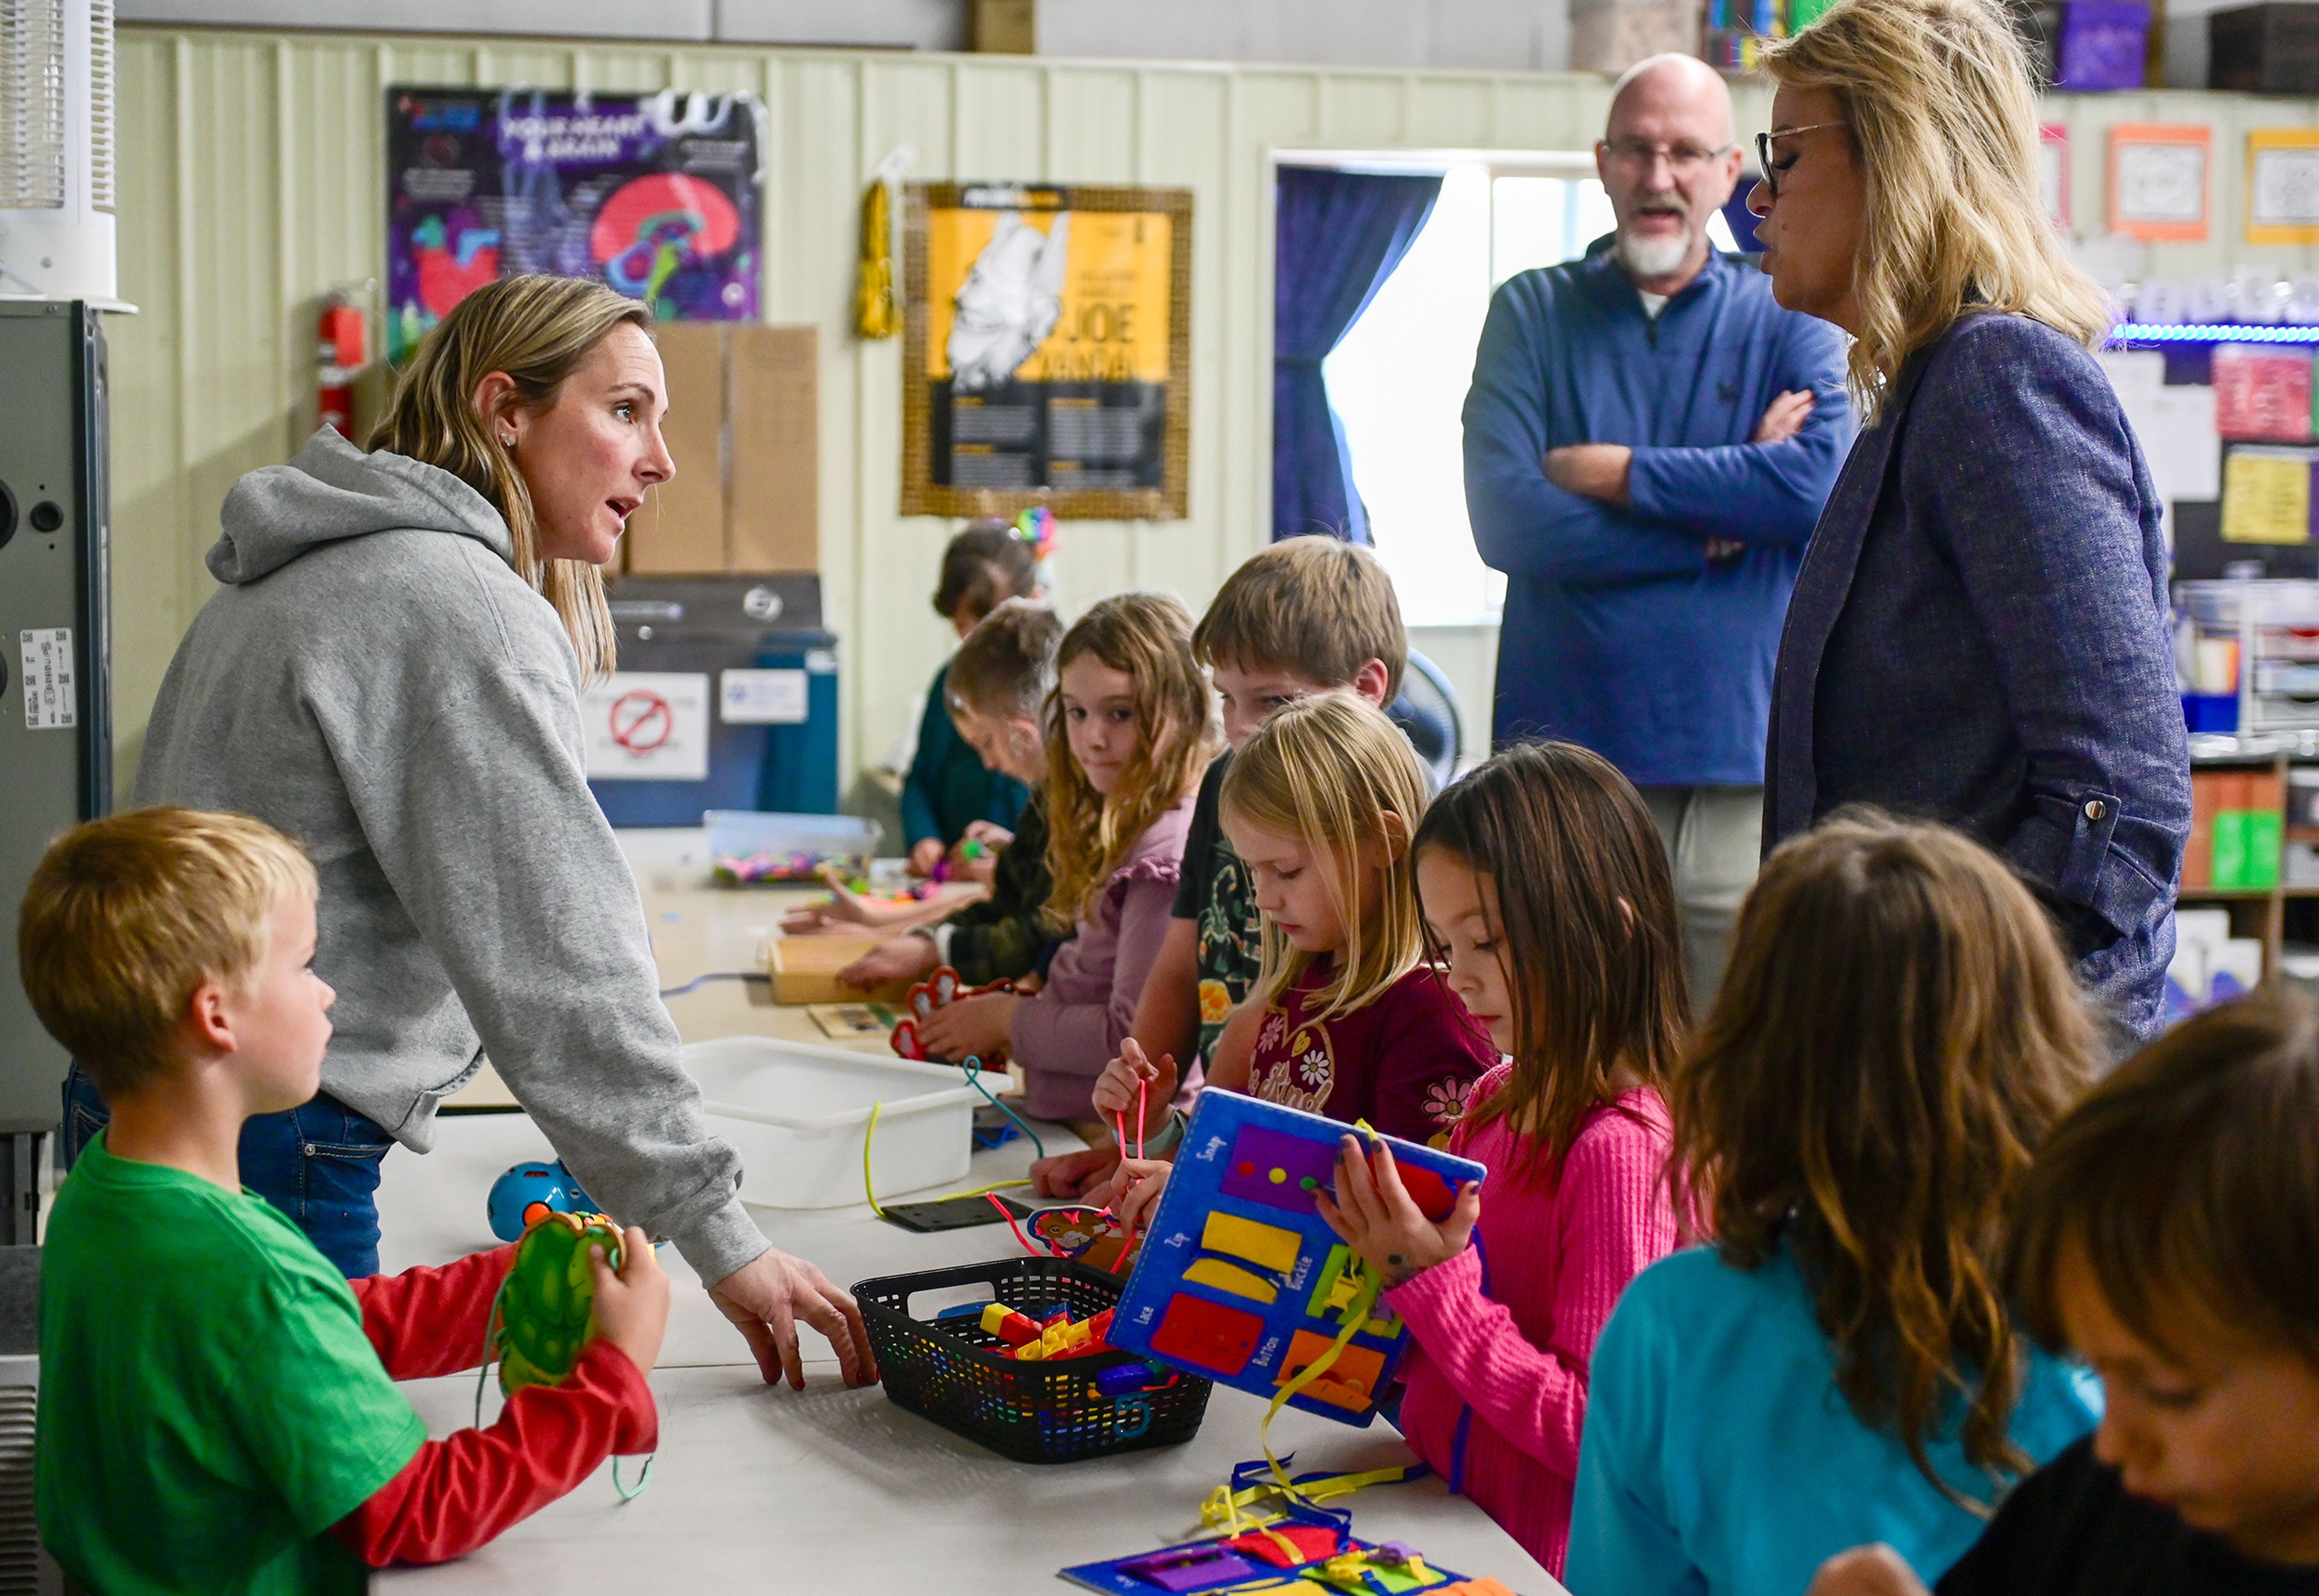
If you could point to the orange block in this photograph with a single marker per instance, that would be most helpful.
(1351, 1382)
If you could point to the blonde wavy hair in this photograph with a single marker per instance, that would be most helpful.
(536, 330)
(1332, 771)
(1148, 638)
(1942, 113)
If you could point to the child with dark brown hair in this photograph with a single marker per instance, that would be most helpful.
(1897, 1031)
(1547, 901)
(2169, 1235)
(950, 791)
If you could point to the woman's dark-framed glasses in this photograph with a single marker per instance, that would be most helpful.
(1763, 151)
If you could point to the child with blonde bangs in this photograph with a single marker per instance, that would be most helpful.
(1128, 735)
(1898, 1032)
(1321, 806)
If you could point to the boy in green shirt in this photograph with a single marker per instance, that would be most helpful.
(218, 1411)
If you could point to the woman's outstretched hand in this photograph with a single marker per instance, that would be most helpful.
(766, 1296)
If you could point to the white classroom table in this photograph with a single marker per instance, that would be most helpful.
(831, 1492)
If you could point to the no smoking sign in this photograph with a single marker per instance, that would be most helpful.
(646, 726)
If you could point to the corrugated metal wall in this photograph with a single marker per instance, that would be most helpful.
(252, 182)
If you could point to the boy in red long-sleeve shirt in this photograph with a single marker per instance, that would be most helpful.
(217, 1409)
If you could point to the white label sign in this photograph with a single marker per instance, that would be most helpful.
(761, 697)
(647, 725)
(52, 697)
(2284, 189)
(2161, 183)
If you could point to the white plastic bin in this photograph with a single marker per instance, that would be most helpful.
(799, 1115)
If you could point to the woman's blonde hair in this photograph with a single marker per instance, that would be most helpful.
(1148, 638)
(538, 330)
(1897, 1031)
(1942, 113)
(1332, 771)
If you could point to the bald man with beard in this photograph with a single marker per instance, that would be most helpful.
(1650, 439)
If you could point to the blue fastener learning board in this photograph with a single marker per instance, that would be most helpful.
(1240, 1280)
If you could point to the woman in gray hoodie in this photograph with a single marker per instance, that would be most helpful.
(392, 675)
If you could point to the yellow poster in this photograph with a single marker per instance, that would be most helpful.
(2266, 496)
(1046, 354)
(2282, 189)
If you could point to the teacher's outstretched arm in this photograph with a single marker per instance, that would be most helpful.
(483, 826)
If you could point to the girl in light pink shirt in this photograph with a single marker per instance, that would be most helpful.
(1546, 895)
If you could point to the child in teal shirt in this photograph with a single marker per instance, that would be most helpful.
(948, 789)
(1897, 1030)
(218, 1409)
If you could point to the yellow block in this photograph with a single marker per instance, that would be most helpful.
(1230, 1278)
(1267, 1247)
(2266, 496)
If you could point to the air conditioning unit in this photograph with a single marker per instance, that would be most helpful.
(55, 151)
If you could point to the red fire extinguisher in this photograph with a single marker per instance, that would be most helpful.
(341, 355)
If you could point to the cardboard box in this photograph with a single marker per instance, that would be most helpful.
(773, 451)
(805, 970)
(743, 429)
(678, 530)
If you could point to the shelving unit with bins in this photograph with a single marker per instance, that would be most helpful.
(2260, 912)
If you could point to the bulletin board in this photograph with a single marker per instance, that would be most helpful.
(2282, 185)
(661, 195)
(2162, 181)
(1046, 350)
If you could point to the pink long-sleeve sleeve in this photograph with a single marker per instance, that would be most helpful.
(1559, 1256)
(1068, 1031)
(1065, 1034)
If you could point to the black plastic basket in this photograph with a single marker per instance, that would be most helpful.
(951, 1371)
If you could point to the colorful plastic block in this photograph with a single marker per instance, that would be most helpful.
(1207, 1334)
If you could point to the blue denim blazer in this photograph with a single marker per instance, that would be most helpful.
(1980, 635)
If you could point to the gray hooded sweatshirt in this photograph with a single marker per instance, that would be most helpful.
(378, 681)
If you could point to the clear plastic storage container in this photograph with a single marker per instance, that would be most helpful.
(799, 1113)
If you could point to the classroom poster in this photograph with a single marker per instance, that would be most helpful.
(660, 196)
(1046, 350)
(2053, 173)
(2160, 181)
(2283, 185)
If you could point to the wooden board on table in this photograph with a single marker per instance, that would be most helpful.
(805, 970)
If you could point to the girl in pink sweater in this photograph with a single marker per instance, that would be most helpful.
(1546, 895)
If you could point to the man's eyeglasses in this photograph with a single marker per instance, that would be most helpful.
(1684, 160)
(1764, 152)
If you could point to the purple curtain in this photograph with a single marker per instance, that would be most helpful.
(1338, 236)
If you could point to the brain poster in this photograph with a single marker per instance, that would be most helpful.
(1046, 354)
(660, 196)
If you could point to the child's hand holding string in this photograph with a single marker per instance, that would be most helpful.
(1127, 1082)
(631, 1307)
(1134, 1190)
(1375, 1216)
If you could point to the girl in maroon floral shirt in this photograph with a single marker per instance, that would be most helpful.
(1321, 805)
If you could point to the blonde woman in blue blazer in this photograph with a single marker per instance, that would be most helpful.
(1980, 632)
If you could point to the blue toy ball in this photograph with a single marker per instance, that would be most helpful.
(551, 1185)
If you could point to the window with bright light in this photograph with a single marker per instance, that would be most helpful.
(1398, 378)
